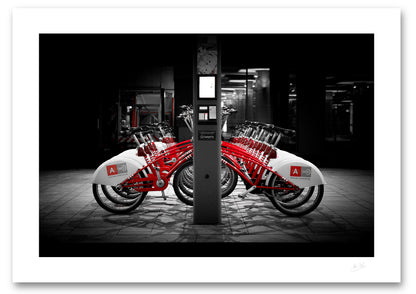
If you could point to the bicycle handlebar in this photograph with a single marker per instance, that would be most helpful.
(131, 131)
(270, 127)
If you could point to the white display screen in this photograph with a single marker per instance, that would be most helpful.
(207, 87)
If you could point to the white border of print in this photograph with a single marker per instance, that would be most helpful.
(28, 23)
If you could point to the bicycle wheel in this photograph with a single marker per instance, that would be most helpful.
(105, 198)
(118, 196)
(124, 192)
(229, 178)
(290, 199)
(183, 182)
(305, 201)
(128, 193)
(286, 197)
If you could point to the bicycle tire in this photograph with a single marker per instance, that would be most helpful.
(302, 208)
(107, 204)
(183, 183)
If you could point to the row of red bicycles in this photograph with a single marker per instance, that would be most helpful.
(294, 185)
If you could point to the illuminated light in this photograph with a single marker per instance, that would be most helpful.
(237, 81)
(253, 70)
(336, 91)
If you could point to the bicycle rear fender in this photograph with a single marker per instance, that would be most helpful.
(117, 169)
(297, 170)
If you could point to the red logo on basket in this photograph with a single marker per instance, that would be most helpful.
(112, 170)
(295, 171)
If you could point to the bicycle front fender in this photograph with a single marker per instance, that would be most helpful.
(295, 169)
(115, 170)
(132, 154)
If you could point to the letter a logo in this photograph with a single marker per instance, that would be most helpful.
(112, 170)
(295, 171)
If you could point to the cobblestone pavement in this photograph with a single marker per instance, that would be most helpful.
(69, 213)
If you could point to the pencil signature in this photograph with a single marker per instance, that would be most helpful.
(358, 266)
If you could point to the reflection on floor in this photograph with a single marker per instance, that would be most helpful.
(69, 213)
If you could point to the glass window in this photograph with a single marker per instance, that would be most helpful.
(339, 111)
(246, 90)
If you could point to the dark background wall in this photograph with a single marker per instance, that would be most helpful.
(316, 61)
(80, 76)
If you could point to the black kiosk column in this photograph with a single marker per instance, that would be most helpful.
(207, 131)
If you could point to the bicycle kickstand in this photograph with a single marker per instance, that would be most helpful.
(244, 194)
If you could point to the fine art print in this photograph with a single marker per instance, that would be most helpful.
(227, 145)
(297, 170)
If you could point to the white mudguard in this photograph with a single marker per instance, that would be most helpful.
(132, 154)
(117, 169)
(297, 170)
(159, 145)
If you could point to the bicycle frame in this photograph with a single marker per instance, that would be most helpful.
(158, 177)
(290, 167)
(251, 155)
(256, 171)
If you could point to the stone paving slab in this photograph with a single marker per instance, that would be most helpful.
(69, 213)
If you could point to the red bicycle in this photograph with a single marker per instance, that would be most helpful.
(293, 185)
(121, 183)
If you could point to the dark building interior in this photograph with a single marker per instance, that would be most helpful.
(320, 85)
